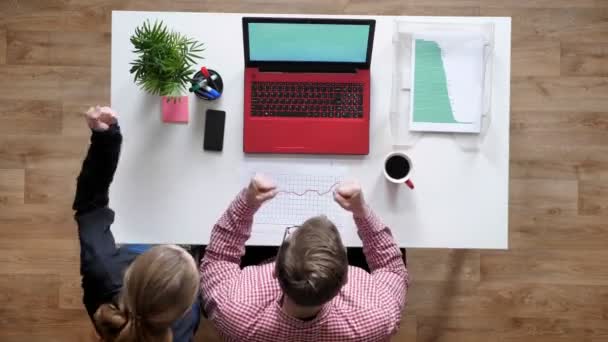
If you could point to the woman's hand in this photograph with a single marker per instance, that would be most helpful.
(100, 118)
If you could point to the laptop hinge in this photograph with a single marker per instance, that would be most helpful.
(309, 69)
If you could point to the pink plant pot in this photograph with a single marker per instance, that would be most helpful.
(174, 109)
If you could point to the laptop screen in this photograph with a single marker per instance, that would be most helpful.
(308, 42)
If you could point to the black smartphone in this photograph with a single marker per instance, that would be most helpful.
(214, 130)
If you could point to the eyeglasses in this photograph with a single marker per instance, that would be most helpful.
(288, 231)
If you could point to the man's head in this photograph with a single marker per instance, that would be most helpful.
(312, 265)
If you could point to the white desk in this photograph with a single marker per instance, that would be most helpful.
(168, 190)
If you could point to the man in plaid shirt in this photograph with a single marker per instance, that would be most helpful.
(310, 293)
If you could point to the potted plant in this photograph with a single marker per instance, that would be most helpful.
(163, 66)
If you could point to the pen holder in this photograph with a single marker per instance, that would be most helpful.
(205, 88)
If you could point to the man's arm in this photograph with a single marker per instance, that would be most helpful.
(221, 264)
(382, 254)
(384, 258)
(98, 170)
(386, 264)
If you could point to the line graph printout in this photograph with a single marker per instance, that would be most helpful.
(447, 82)
(303, 192)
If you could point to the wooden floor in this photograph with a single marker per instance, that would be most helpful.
(552, 285)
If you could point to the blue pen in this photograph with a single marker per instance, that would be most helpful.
(214, 93)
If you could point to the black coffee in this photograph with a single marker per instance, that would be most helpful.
(397, 167)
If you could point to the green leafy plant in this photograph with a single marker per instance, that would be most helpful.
(164, 59)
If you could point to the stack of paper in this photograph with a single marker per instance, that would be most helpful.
(447, 82)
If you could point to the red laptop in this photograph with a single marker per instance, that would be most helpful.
(307, 85)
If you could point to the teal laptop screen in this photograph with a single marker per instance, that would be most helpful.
(294, 42)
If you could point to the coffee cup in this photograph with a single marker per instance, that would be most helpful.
(398, 169)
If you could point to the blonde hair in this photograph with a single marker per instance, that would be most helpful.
(159, 287)
(312, 264)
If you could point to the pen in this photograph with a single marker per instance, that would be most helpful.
(205, 73)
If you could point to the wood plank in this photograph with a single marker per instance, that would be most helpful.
(80, 48)
(444, 3)
(531, 147)
(543, 194)
(542, 169)
(591, 170)
(6, 7)
(49, 230)
(170, 6)
(58, 333)
(59, 48)
(2, 46)
(580, 25)
(30, 83)
(443, 264)
(34, 151)
(20, 7)
(544, 4)
(559, 93)
(537, 229)
(408, 329)
(55, 82)
(573, 302)
(450, 298)
(535, 57)
(37, 221)
(88, 20)
(90, 84)
(507, 299)
(30, 117)
(595, 330)
(39, 256)
(593, 198)
(52, 214)
(26, 291)
(50, 186)
(385, 7)
(555, 139)
(538, 149)
(546, 266)
(12, 186)
(527, 122)
(25, 47)
(586, 59)
(73, 123)
(92, 17)
(395, 7)
(44, 324)
(514, 329)
(424, 10)
(274, 6)
(580, 128)
(70, 291)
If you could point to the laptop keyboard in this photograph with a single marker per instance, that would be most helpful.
(307, 99)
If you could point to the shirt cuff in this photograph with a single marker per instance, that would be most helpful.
(106, 135)
(242, 208)
(369, 222)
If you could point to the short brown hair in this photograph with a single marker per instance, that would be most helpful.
(159, 287)
(312, 265)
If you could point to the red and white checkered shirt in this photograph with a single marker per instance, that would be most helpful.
(244, 304)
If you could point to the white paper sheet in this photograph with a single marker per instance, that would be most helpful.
(462, 61)
(304, 191)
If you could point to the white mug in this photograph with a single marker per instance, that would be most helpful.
(398, 168)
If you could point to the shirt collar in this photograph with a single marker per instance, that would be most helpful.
(299, 323)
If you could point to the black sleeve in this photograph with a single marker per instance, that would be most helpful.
(101, 263)
(98, 170)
